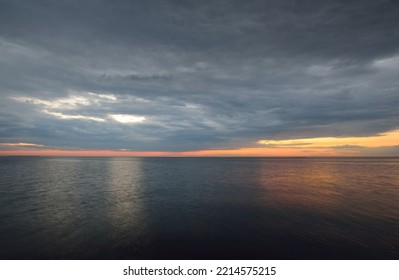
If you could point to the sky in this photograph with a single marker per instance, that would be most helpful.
(199, 78)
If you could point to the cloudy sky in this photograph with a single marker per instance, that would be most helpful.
(199, 77)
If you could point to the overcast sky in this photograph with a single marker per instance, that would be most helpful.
(197, 75)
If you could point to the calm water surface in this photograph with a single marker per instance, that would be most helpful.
(199, 208)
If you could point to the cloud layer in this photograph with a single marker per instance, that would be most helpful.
(197, 75)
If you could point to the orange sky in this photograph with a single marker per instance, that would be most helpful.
(201, 153)
(322, 146)
(390, 138)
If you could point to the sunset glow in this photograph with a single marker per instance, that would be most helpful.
(244, 152)
(321, 146)
(386, 139)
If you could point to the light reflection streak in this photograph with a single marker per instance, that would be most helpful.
(124, 209)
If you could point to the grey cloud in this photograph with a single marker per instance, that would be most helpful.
(348, 147)
(206, 74)
(381, 151)
(138, 77)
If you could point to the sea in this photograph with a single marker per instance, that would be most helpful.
(199, 208)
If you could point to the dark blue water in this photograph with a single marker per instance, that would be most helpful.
(199, 208)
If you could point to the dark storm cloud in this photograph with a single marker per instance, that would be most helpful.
(204, 74)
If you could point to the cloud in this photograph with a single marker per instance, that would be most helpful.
(389, 151)
(135, 77)
(20, 144)
(205, 75)
(73, 117)
(104, 96)
(127, 119)
(387, 139)
(70, 102)
(348, 147)
(387, 63)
